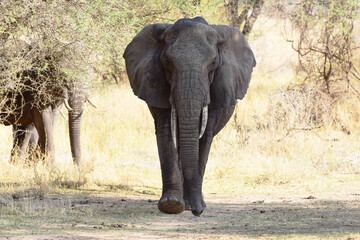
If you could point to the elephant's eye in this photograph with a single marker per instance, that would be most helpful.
(170, 38)
(212, 64)
(165, 61)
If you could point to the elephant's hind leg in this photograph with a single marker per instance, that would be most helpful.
(22, 136)
(171, 200)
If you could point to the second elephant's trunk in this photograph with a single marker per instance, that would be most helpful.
(76, 102)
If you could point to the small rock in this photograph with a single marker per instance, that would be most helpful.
(84, 202)
(310, 197)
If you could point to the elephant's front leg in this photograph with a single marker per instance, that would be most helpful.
(171, 200)
(204, 150)
(44, 122)
(217, 120)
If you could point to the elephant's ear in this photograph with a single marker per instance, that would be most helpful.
(232, 76)
(142, 60)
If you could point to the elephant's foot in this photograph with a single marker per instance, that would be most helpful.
(170, 204)
(187, 205)
(197, 211)
(197, 206)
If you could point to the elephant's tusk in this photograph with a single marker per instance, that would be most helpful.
(67, 105)
(173, 126)
(204, 121)
(63, 115)
(91, 103)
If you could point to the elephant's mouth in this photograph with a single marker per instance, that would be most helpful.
(174, 120)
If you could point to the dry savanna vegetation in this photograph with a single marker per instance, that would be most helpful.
(286, 166)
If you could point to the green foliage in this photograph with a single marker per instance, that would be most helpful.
(44, 46)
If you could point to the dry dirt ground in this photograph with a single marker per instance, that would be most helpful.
(134, 215)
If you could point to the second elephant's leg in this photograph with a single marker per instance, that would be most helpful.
(171, 200)
(22, 136)
(44, 124)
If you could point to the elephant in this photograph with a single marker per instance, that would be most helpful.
(190, 74)
(28, 116)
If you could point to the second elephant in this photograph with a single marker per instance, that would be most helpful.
(27, 135)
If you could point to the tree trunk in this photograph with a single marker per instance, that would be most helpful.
(232, 14)
(254, 15)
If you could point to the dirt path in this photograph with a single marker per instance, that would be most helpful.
(135, 216)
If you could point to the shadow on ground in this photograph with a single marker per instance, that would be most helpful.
(115, 215)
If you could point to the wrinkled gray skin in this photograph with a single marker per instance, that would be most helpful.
(35, 125)
(186, 66)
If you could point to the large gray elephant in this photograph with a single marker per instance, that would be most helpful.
(190, 74)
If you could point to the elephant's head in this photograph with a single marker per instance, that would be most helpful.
(190, 67)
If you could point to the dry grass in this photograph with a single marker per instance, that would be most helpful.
(116, 144)
(119, 149)
(120, 161)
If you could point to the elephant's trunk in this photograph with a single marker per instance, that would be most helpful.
(204, 118)
(76, 102)
(189, 105)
